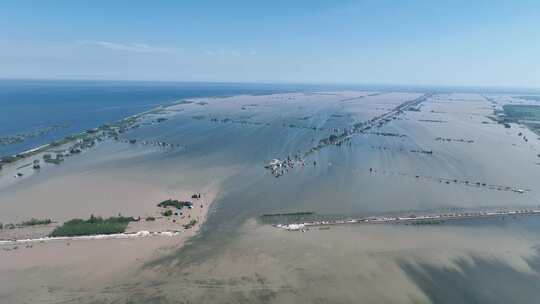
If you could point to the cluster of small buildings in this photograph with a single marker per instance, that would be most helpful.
(279, 167)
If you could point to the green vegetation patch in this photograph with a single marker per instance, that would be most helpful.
(34, 222)
(93, 226)
(174, 203)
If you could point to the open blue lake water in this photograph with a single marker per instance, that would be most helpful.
(28, 106)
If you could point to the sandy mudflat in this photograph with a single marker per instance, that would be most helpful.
(54, 271)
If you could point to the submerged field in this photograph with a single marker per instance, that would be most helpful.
(529, 112)
(526, 114)
(444, 153)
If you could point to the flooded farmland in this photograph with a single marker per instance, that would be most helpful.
(371, 167)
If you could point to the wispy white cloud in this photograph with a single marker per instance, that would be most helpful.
(128, 47)
(232, 53)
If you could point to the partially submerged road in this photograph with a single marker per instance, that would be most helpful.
(278, 166)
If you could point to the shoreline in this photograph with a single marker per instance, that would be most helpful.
(17, 167)
(139, 234)
(118, 123)
(104, 131)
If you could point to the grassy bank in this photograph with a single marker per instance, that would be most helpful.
(31, 222)
(92, 226)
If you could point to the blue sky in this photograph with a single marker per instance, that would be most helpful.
(477, 43)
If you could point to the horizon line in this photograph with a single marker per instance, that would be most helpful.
(328, 84)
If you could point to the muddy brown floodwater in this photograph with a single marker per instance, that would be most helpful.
(234, 258)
